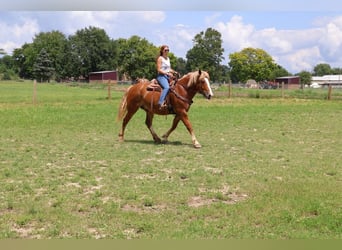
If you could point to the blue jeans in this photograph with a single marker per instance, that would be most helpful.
(164, 83)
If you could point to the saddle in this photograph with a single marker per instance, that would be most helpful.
(154, 86)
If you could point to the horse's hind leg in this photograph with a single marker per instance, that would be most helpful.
(173, 127)
(131, 111)
(148, 122)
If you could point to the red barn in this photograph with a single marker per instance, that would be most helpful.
(290, 82)
(102, 76)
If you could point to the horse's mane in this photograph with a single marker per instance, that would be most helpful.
(193, 76)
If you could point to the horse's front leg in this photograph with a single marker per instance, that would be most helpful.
(188, 125)
(148, 122)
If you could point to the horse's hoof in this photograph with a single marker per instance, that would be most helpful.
(197, 145)
(164, 139)
(158, 140)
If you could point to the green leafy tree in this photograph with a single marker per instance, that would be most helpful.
(24, 58)
(180, 66)
(43, 68)
(7, 68)
(336, 71)
(225, 74)
(206, 53)
(279, 71)
(322, 69)
(137, 58)
(305, 77)
(54, 44)
(251, 63)
(90, 50)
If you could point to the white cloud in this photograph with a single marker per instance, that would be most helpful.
(15, 35)
(178, 37)
(296, 50)
(274, 40)
(76, 20)
(235, 34)
(302, 59)
(331, 40)
(153, 16)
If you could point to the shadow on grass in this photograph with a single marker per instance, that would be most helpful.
(151, 142)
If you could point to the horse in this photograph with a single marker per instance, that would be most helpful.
(179, 100)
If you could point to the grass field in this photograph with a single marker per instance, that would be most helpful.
(269, 168)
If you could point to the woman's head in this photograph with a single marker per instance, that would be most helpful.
(164, 48)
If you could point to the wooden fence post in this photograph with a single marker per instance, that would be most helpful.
(34, 97)
(109, 91)
(329, 92)
(230, 89)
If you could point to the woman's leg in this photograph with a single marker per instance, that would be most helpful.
(164, 83)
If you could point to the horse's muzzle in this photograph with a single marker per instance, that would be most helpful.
(208, 96)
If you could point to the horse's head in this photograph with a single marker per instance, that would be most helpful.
(201, 80)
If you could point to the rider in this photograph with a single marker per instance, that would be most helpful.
(164, 73)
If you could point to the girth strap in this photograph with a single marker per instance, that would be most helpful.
(181, 97)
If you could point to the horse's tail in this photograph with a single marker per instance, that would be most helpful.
(123, 106)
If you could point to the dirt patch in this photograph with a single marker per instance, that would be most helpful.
(223, 195)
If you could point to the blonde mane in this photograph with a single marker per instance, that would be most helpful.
(193, 76)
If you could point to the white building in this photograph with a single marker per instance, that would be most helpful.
(326, 80)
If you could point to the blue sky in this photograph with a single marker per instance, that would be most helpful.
(297, 34)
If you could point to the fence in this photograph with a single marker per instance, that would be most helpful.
(239, 90)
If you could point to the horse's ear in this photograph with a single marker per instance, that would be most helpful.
(199, 72)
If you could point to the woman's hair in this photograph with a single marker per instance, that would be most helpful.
(162, 49)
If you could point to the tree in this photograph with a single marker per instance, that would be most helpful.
(322, 69)
(279, 71)
(42, 68)
(90, 50)
(206, 53)
(8, 69)
(305, 77)
(251, 63)
(180, 66)
(24, 58)
(138, 57)
(336, 71)
(54, 43)
(224, 76)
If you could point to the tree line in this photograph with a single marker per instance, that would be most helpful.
(54, 56)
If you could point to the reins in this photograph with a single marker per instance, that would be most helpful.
(173, 90)
(179, 96)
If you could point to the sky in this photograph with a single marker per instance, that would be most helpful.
(297, 34)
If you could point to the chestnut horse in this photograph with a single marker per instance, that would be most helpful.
(179, 100)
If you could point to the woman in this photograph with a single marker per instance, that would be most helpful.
(164, 73)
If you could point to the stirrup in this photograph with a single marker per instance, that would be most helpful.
(162, 106)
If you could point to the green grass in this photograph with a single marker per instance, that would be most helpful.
(269, 168)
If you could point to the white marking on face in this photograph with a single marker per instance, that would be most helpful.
(208, 84)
